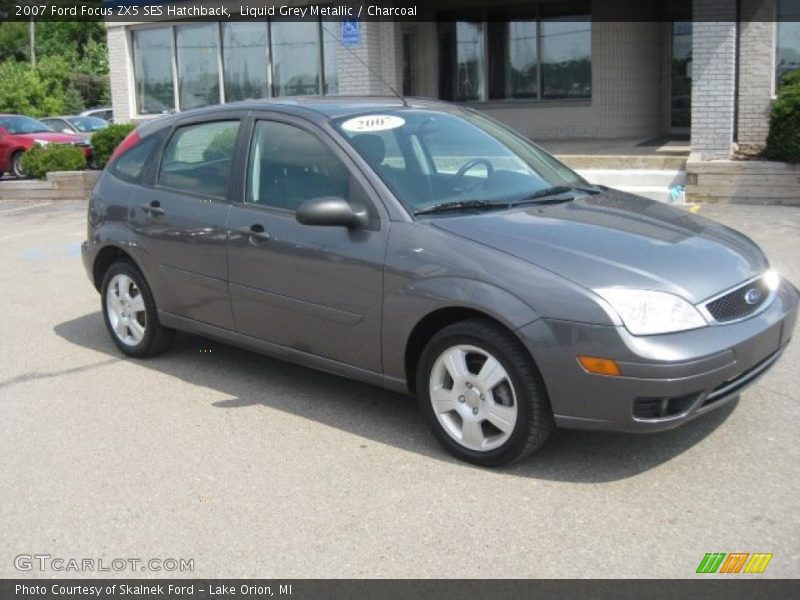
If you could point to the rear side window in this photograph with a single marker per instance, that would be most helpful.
(197, 159)
(131, 164)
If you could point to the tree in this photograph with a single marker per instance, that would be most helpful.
(72, 67)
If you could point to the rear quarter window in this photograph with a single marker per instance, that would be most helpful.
(131, 165)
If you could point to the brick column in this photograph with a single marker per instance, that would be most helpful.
(120, 72)
(376, 49)
(713, 77)
(757, 37)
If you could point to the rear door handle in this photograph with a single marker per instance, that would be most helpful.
(153, 208)
(255, 231)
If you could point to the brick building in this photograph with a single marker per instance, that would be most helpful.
(553, 69)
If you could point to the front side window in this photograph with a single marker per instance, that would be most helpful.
(197, 158)
(788, 51)
(289, 165)
(152, 70)
(88, 124)
(198, 69)
(449, 157)
(57, 124)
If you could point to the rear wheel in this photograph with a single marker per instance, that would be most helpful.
(16, 165)
(130, 312)
(482, 395)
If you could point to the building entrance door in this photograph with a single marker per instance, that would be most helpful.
(681, 77)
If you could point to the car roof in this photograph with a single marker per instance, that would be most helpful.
(323, 108)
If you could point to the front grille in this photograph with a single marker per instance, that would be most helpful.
(739, 303)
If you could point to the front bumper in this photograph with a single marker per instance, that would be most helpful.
(665, 380)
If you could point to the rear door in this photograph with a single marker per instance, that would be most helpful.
(317, 289)
(178, 222)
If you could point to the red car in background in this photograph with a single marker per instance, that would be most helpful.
(18, 133)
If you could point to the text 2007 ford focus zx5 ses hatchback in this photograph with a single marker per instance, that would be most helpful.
(426, 248)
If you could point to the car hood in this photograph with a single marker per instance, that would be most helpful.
(52, 136)
(618, 239)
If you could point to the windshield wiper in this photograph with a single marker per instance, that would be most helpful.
(553, 194)
(461, 205)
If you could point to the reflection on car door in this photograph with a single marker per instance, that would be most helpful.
(312, 288)
(180, 221)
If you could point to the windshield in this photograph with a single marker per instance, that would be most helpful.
(17, 124)
(88, 124)
(428, 158)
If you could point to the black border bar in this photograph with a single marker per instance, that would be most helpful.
(728, 588)
(361, 10)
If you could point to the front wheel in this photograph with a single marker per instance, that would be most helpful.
(130, 312)
(481, 394)
(16, 165)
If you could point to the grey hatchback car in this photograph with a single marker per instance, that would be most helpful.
(426, 248)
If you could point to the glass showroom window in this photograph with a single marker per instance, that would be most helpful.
(330, 43)
(530, 56)
(788, 51)
(197, 49)
(513, 62)
(295, 58)
(245, 54)
(152, 68)
(566, 57)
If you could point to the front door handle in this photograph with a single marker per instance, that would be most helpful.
(255, 231)
(153, 208)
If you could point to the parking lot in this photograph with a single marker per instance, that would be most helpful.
(254, 467)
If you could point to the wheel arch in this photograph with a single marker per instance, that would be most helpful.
(106, 257)
(435, 321)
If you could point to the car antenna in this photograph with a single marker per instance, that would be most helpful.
(363, 62)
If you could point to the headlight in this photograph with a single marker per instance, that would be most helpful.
(772, 280)
(646, 312)
(41, 142)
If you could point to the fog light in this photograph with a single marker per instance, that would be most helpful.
(599, 366)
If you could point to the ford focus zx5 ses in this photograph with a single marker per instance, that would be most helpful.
(428, 249)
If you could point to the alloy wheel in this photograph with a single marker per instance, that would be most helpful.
(126, 310)
(473, 397)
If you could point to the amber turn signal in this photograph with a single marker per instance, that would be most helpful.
(599, 366)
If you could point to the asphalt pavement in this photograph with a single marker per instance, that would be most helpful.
(253, 467)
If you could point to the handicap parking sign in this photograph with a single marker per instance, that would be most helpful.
(351, 32)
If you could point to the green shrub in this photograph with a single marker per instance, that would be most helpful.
(783, 142)
(105, 141)
(41, 160)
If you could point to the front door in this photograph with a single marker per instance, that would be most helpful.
(179, 223)
(315, 289)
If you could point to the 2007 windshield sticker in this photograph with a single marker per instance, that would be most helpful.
(367, 123)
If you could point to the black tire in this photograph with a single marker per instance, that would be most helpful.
(16, 165)
(534, 421)
(156, 338)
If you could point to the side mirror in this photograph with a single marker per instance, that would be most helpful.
(67, 130)
(331, 211)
